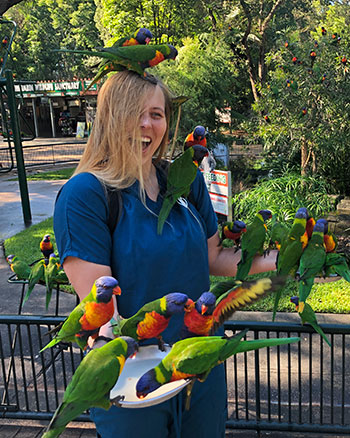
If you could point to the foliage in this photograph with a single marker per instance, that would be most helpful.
(65, 173)
(283, 196)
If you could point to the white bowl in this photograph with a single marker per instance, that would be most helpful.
(147, 357)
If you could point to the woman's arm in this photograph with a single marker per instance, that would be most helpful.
(223, 261)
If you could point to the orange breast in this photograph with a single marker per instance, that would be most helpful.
(96, 314)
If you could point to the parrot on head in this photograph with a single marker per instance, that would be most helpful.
(46, 246)
(307, 314)
(194, 358)
(232, 231)
(153, 318)
(92, 382)
(19, 267)
(197, 136)
(252, 243)
(95, 310)
(311, 261)
(329, 240)
(182, 172)
(336, 264)
(51, 272)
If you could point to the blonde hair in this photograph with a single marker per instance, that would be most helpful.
(114, 150)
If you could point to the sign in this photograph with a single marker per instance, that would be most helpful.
(219, 187)
(62, 88)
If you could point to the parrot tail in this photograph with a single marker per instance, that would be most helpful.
(318, 329)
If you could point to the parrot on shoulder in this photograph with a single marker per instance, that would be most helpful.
(252, 243)
(153, 318)
(312, 261)
(37, 273)
(336, 264)
(182, 172)
(194, 358)
(233, 231)
(46, 246)
(19, 267)
(92, 382)
(95, 310)
(51, 273)
(307, 314)
(291, 249)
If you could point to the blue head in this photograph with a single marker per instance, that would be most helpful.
(304, 210)
(199, 152)
(105, 287)
(173, 52)
(176, 303)
(320, 226)
(147, 383)
(325, 225)
(266, 214)
(238, 226)
(133, 346)
(143, 36)
(46, 238)
(301, 213)
(295, 300)
(205, 304)
(199, 132)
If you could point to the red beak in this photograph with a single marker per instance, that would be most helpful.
(117, 291)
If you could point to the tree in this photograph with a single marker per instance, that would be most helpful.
(7, 4)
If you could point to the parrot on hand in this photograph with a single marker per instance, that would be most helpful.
(95, 310)
(46, 246)
(136, 58)
(197, 136)
(153, 318)
(198, 319)
(307, 314)
(37, 273)
(182, 172)
(336, 264)
(194, 358)
(329, 239)
(252, 243)
(92, 382)
(312, 261)
(19, 267)
(51, 272)
(232, 231)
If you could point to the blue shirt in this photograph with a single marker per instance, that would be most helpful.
(147, 265)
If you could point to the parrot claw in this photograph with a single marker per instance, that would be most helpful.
(117, 400)
(161, 344)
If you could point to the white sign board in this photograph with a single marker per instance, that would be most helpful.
(219, 187)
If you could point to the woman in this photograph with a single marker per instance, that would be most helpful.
(130, 129)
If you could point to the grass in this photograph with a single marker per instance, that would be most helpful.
(325, 298)
(55, 174)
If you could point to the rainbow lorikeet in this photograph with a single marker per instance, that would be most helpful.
(210, 312)
(336, 264)
(291, 250)
(182, 172)
(194, 358)
(95, 310)
(199, 152)
(46, 246)
(153, 318)
(37, 273)
(279, 231)
(329, 239)
(197, 136)
(136, 58)
(51, 272)
(233, 231)
(92, 382)
(311, 261)
(19, 267)
(252, 243)
(307, 314)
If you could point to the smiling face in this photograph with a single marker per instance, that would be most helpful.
(153, 124)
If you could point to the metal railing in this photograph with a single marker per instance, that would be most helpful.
(299, 387)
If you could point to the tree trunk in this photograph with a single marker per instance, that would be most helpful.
(305, 156)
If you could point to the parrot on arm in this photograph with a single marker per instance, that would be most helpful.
(312, 261)
(153, 318)
(336, 264)
(197, 136)
(194, 358)
(92, 382)
(46, 246)
(307, 314)
(95, 310)
(232, 231)
(37, 273)
(51, 273)
(291, 250)
(252, 243)
(136, 58)
(182, 172)
(19, 267)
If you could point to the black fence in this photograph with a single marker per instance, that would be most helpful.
(297, 387)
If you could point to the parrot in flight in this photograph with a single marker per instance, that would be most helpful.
(312, 261)
(153, 318)
(37, 273)
(51, 273)
(136, 58)
(197, 136)
(232, 231)
(329, 239)
(92, 382)
(46, 246)
(252, 243)
(95, 310)
(194, 358)
(307, 314)
(182, 172)
(19, 267)
(291, 249)
(337, 264)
